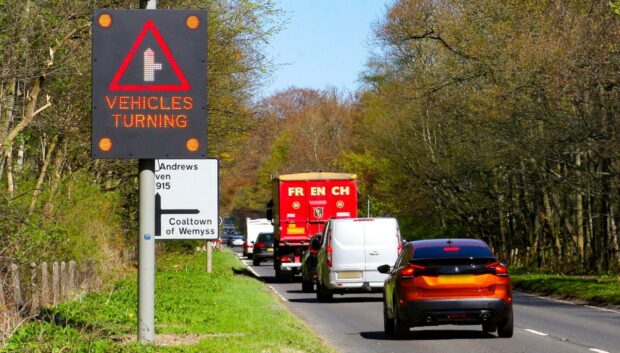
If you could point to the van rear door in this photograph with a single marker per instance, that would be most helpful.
(348, 246)
(381, 237)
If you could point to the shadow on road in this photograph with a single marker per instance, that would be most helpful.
(336, 300)
(429, 335)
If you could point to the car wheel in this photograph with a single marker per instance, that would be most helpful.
(388, 323)
(256, 262)
(401, 329)
(323, 294)
(306, 286)
(278, 274)
(506, 328)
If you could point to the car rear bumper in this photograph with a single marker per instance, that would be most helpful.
(355, 287)
(455, 311)
(263, 255)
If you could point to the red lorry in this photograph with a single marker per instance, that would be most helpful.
(302, 204)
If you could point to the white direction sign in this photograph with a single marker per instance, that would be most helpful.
(186, 199)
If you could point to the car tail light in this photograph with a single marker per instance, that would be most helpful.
(285, 259)
(329, 255)
(260, 245)
(409, 271)
(500, 270)
(451, 249)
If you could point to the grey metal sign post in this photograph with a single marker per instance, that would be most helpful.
(146, 242)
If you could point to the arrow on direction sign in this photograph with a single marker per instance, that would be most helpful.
(159, 211)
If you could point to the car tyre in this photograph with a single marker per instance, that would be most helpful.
(506, 328)
(323, 294)
(388, 323)
(278, 274)
(401, 329)
(306, 286)
(256, 262)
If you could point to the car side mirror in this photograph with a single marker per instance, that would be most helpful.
(384, 268)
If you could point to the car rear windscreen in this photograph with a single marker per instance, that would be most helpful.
(265, 237)
(451, 252)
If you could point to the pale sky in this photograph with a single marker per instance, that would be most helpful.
(326, 43)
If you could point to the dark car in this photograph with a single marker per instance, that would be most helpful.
(308, 264)
(263, 248)
(447, 281)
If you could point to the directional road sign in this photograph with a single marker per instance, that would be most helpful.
(186, 199)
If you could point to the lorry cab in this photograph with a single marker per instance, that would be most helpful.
(351, 251)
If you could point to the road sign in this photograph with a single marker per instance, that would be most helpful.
(149, 84)
(186, 199)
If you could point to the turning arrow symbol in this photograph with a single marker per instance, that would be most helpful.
(159, 211)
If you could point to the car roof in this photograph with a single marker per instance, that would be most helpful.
(450, 241)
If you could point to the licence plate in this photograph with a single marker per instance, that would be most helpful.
(270, 249)
(456, 279)
(349, 274)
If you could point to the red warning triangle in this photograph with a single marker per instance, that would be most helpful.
(182, 86)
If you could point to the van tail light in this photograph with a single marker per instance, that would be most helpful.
(260, 245)
(410, 271)
(329, 255)
(399, 240)
(285, 259)
(499, 269)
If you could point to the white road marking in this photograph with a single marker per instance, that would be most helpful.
(598, 350)
(278, 293)
(251, 269)
(247, 264)
(570, 303)
(547, 298)
(536, 332)
(602, 309)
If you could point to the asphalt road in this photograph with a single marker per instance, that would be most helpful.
(354, 323)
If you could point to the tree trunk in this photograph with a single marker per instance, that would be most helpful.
(30, 113)
(580, 241)
(43, 173)
(59, 159)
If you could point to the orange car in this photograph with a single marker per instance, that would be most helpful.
(447, 281)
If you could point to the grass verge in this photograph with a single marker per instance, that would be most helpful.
(594, 290)
(195, 312)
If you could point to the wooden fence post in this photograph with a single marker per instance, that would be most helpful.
(55, 283)
(45, 287)
(63, 280)
(34, 290)
(72, 276)
(84, 276)
(3, 307)
(91, 273)
(17, 291)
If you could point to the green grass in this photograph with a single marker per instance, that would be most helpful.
(595, 290)
(227, 312)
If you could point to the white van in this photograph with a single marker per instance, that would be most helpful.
(351, 251)
(253, 228)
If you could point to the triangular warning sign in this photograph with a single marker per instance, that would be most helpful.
(183, 85)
